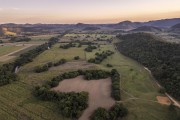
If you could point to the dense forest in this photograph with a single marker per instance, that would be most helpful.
(162, 58)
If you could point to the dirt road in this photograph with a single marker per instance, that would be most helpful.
(10, 55)
(176, 103)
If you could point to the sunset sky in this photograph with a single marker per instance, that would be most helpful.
(86, 11)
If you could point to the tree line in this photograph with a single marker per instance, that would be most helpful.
(116, 112)
(72, 104)
(69, 104)
(20, 39)
(67, 46)
(90, 48)
(100, 56)
(45, 67)
(7, 74)
(162, 58)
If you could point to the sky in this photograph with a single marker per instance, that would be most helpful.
(86, 11)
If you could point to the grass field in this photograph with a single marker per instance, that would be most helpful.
(8, 49)
(136, 83)
(42, 38)
(138, 90)
(25, 50)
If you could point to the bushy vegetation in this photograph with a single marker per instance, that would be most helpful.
(162, 58)
(115, 78)
(30, 55)
(88, 75)
(72, 104)
(67, 46)
(20, 39)
(95, 74)
(69, 104)
(76, 58)
(109, 65)
(48, 65)
(116, 112)
(1, 41)
(90, 48)
(100, 57)
(60, 62)
(7, 74)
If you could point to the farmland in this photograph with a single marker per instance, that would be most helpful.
(8, 49)
(138, 90)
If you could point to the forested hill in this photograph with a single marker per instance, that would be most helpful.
(162, 58)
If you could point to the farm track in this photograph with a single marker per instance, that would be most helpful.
(10, 55)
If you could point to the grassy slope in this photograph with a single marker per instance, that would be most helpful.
(8, 49)
(16, 100)
(136, 82)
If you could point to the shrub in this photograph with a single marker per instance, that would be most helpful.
(109, 65)
(100, 57)
(117, 111)
(76, 58)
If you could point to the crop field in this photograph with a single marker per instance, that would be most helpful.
(138, 90)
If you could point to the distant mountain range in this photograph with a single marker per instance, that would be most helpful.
(154, 26)
(147, 29)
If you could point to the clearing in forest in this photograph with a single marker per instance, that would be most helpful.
(163, 100)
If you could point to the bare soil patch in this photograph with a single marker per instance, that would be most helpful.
(163, 100)
(74, 65)
(99, 92)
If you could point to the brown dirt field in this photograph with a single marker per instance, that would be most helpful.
(163, 100)
(74, 65)
(99, 92)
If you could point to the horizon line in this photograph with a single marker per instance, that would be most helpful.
(90, 23)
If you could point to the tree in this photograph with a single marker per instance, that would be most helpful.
(76, 58)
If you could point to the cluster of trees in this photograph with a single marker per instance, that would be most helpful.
(90, 48)
(69, 104)
(7, 73)
(109, 65)
(46, 67)
(88, 75)
(60, 62)
(1, 41)
(20, 39)
(30, 55)
(115, 78)
(95, 74)
(67, 46)
(72, 104)
(162, 58)
(116, 112)
(76, 58)
(100, 57)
